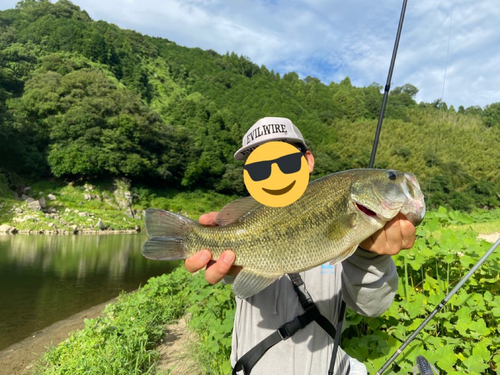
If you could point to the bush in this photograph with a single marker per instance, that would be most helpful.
(4, 187)
(123, 340)
(462, 338)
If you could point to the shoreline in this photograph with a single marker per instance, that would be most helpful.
(42, 232)
(20, 358)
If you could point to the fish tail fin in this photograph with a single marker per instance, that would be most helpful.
(164, 248)
(166, 231)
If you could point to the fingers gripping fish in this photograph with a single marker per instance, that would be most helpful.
(334, 215)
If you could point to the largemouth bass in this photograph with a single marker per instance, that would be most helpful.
(334, 215)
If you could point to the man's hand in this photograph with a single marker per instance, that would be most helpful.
(215, 270)
(398, 234)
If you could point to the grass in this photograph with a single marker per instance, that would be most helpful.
(480, 221)
(189, 203)
(462, 338)
(71, 208)
(480, 228)
(123, 340)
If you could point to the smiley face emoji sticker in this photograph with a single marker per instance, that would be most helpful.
(276, 174)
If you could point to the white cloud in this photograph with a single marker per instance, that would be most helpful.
(331, 39)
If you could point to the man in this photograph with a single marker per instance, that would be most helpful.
(366, 281)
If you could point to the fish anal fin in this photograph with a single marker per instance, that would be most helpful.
(232, 211)
(249, 283)
(341, 227)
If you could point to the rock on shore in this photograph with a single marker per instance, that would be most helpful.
(67, 211)
(7, 229)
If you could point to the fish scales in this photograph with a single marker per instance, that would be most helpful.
(333, 216)
(265, 234)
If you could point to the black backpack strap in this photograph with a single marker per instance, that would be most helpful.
(250, 358)
(337, 340)
(308, 304)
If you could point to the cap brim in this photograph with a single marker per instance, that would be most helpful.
(243, 152)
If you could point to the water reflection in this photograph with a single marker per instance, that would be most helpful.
(44, 279)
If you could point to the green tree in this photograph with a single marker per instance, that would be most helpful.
(93, 128)
(407, 88)
(474, 110)
(373, 100)
(491, 115)
(349, 101)
(80, 98)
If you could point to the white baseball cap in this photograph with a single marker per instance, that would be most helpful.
(269, 129)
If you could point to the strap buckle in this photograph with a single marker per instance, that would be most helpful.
(284, 332)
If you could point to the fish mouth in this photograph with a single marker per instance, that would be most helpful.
(414, 208)
(280, 191)
(366, 210)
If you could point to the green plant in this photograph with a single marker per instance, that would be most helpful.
(462, 338)
(123, 340)
(212, 314)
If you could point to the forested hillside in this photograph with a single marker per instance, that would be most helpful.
(83, 100)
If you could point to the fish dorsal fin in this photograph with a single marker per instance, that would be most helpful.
(249, 283)
(232, 211)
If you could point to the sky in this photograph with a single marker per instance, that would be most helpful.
(449, 49)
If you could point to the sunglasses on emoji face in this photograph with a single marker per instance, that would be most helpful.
(288, 164)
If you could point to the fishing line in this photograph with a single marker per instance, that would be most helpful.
(438, 136)
(372, 161)
(447, 51)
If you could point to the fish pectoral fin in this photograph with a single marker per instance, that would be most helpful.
(341, 226)
(249, 283)
(232, 211)
(344, 255)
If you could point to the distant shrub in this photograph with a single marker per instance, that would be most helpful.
(4, 187)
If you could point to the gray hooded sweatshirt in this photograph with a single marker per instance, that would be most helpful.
(365, 281)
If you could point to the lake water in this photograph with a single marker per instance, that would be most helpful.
(44, 279)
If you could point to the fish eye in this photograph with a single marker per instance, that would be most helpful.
(391, 175)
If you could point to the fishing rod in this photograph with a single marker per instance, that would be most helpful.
(440, 306)
(381, 117)
(388, 84)
(372, 161)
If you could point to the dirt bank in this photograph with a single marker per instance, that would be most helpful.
(176, 347)
(492, 237)
(19, 358)
(177, 350)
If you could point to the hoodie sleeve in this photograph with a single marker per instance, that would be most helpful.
(369, 282)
